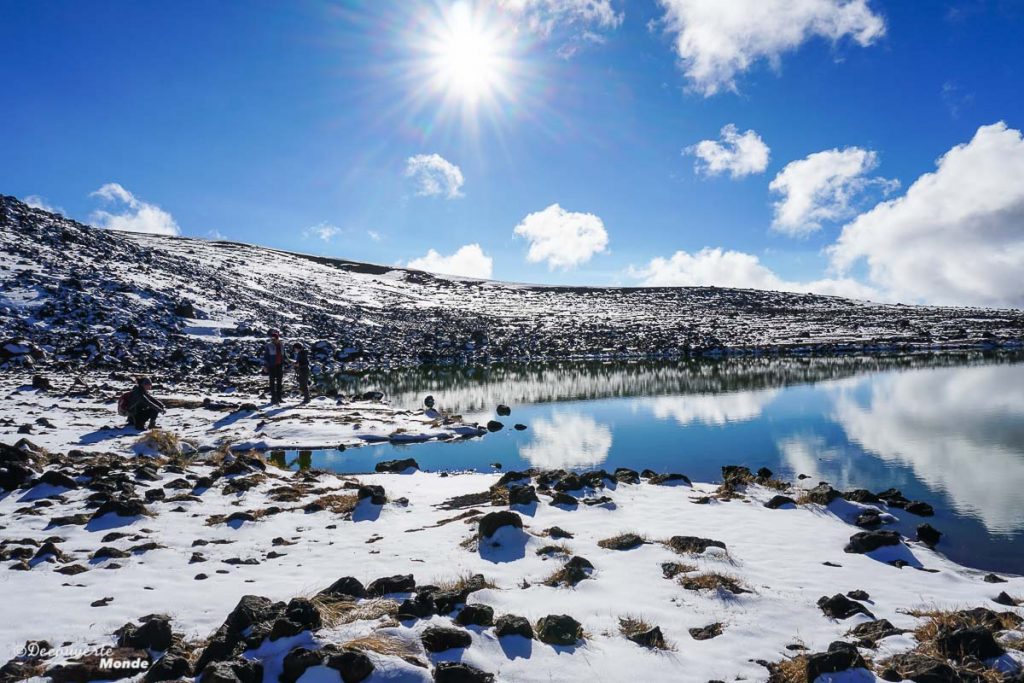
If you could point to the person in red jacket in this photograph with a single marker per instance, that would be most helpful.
(273, 365)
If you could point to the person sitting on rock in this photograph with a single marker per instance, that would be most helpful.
(142, 406)
(273, 365)
(302, 369)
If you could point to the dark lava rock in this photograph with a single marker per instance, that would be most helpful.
(918, 668)
(234, 671)
(494, 426)
(868, 541)
(869, 519)
(764, 473)
(841, 607)
(563, 498)
(153, 634)
(559, 629)
(441, 638)
(297, 661)
(504, 410)
(513, 625)
(396, 466)
(476, 615)
(346, 586)
(400, 583)
(518, 427)
(778, 501)
(861, 496)
(920, 508)
(992, 578)
(172, 666)
(622, 542)
(373, 492)
(353, 665)
(419, 606)
(522, 495)
(976, 641)
(706, 632)
(651, 638)
(871, 632)
(58, 478)
(250, 610)
(693, 544)
(122, 507)
(108, 552)
(858, 595)
(558, 532)
(840, 657)
(493, 521)
(670, 478)
(626, 475)
(460, 672)
(928, 535)
(822, 494)
(1004, 599)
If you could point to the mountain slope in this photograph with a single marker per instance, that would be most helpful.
(194, 308)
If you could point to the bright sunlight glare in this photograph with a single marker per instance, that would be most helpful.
(469, 56)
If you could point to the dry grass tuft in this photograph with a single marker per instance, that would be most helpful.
(338, 503)
(555, 549)
(389, 646)
(632, 626)
(789, 670)
(338, 611)
(623, 541)
(671, 570)
(164, 442)
(462, 582)
(713, 581)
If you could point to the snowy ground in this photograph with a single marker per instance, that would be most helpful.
(776, 554)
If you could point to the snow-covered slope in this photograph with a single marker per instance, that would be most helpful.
(197, 309)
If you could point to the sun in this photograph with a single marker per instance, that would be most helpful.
(469, 56)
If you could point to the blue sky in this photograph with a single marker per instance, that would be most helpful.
(350, 129)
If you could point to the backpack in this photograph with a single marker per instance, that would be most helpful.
(122, 403)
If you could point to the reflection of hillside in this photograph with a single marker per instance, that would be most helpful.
(960, 430)
(469, 389)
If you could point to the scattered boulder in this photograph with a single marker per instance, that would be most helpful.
(346, 586)
(778, 501)
(870, 632)
(460, 672)
(822, 494)
(493, 521)
(172, 666)
(396, 466)
(559, 629)
(400, 583)
(869, 541)
(919, 508)
(974, 641)
(692, 544)
(353, 665)
(373, 492)
(154, 634)
(651, 638)
(626, 475)
(918, 668)
(441, 638)
(494, 426)
(870, 518)
(841, 607)
(234, 671)
(522, 495)
(475, 615)
(839, 657)
(928, 535)
(504, 410)
(706, 632)
(513, 625)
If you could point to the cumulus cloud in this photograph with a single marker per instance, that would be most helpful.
(737, 269)
(323, 231)
(543, 16)
(469, 261)
(823, 187)
(957, 235)
(737, 154)
(563, 239)
(134, 216)
(37, 202)
(716, 40)
(434, 176)
(712, 409)
(373, 235)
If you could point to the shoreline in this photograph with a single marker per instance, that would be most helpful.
(106, 538)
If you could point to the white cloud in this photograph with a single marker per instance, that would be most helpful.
(739, 154)
(37, 202)
(543, 16)
(822, 187)
(373, 235)
(469, 261)
(323, 231)
(561, 238)
(135, 215)
(736, 269)
(957, 235)
(434, 176)
(712, 409)
(717, 40)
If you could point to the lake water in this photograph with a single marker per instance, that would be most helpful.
(948, 430)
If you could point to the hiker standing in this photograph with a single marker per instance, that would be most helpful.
(302, 369)
(273, 365)
(141, 406)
